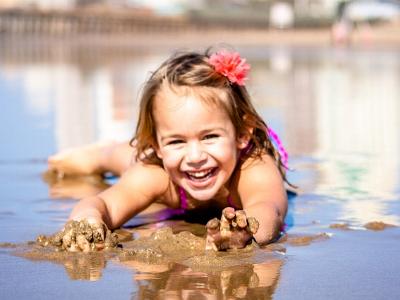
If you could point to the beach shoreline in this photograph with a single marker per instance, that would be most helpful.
(381, 35)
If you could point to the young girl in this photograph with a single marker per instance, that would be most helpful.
(199, 144)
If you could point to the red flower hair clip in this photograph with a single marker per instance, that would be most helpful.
(230, 65)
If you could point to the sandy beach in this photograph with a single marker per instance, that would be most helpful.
(335, 107)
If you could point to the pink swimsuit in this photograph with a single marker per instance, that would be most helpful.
(184, 201)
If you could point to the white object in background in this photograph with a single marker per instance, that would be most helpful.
(281, 15)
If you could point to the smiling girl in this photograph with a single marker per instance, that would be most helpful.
(199, 143)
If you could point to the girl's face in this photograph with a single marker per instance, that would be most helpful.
(196, 142)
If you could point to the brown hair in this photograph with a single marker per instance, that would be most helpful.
(193, 71)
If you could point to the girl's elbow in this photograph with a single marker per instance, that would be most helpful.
(270, 232)
(266, 237)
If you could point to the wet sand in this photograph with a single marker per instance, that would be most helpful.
(170, 259)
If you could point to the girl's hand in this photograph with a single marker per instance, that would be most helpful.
(234, 231)
(85, 235)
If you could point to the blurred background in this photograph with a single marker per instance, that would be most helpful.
(234, 13)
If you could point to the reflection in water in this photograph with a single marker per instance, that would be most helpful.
(342, 112)
(93, 96)
(358, 120)
(78, 266)
(180, 282)
(85, 267)
(175, 266)
(74, 187)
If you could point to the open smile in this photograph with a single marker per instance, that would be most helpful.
(201, 176)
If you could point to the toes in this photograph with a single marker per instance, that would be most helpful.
(53, 162)
(54, 158)
(55, 168)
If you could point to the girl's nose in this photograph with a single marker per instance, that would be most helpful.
(195, 153)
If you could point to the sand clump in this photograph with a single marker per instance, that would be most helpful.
(162, 245)
(341, 226)
(373, 225)
(304, 240)
(80, 236)
(377, 226)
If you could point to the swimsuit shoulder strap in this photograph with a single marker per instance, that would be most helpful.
(281, 149)
(183, 198)
(184, 201)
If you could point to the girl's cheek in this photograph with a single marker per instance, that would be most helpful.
(170, 158)
(222, 147)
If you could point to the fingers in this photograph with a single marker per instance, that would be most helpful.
(253, 225)
(111, 240)
(228, 213)
(213, 225)
(55, 166)
(212, 231)
(243, 222)
(233, 219)
(233, 231)
(241, 219)
(226, 219)
(83, 243)
(82, 236)
(98, 232)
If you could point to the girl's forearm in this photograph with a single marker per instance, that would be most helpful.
(270, 221)
(91, 208)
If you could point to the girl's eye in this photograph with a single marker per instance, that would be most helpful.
(175, 142)
(210, 136)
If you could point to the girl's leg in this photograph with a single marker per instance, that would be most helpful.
(93, 159)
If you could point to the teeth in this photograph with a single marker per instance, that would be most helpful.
(199, 174)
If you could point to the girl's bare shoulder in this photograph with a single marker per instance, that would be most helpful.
(259, 170)
(260, 182)
(265, 161)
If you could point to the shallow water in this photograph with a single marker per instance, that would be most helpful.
(336, 110)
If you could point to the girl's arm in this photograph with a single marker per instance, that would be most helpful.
(264, 201)
(137, 188)
(262, 192)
